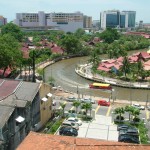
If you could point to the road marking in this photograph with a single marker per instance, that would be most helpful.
(147, 115)
(63, 103)
(72, 108)
(108, 111)
(97, 108)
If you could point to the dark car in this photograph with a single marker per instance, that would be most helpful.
(68, 131)
(128, 139)
(129, 131)
(122, 127)
(125, 127)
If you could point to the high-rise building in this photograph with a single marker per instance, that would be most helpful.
(3, 20)
(110, 18)
(68, 22)
(117, 19)
(87, 22)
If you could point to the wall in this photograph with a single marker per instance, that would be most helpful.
(45, 107)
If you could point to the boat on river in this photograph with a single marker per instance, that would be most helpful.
(100, 86)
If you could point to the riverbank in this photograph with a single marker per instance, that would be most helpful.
(85, 72)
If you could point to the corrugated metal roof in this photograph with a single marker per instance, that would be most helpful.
(5, 113)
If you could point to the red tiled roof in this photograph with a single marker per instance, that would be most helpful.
(38, 141)
(103, 68)
(57, 49)
(10, 85)
(144, 55)
(133, 58)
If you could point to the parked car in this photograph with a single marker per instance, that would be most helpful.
(138, 106)
(128, 139)
(69, 131)
(71, 124)
(148, 107)
(75, 120)
(123, 127)
(88, 100)
(103, 103)
(129, 131)
(71, 99)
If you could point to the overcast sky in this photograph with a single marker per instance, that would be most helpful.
(9, 8)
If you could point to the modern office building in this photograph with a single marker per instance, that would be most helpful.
(68, 22)
(3, 20)
(110, 18)
(117, 19)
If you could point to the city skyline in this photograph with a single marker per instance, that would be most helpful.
(87, 7)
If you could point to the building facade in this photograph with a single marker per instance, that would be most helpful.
(68, 22)
(3, 20)
(87, 22)
(117, 19)
(20, 107)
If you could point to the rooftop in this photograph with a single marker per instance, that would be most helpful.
(38, 141)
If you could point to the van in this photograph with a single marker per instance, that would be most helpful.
(71, 124)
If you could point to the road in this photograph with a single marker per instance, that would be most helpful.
(99, 110)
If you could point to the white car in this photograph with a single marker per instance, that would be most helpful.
(138, 106)
(75, 120)
(71, 99)
(88, 100)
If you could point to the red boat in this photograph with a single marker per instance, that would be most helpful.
(100, 86)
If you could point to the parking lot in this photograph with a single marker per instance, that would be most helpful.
(100, 128)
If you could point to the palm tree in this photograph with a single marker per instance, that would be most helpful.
(129, 109)
(62, 105)
(135, 113)
(119, 111)
(126, 66)
(86, 106)
(76, 104)
(140, 68)
(94, 59)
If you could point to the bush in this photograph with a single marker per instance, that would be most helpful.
(87, 118)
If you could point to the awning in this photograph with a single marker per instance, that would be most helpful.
(44, 99)
(20, 119)
(49, 94)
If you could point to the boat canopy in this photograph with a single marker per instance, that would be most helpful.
(101, 84)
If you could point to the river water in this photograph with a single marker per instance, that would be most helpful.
(64, 74)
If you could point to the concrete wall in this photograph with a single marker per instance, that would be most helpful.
(45, 107)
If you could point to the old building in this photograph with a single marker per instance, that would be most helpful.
(20, 105)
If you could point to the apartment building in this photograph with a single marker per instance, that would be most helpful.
(117, 19)
(68, 22)
(20, 107)
(87, 22)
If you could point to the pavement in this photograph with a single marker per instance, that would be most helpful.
(100, 128)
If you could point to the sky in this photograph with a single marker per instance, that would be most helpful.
(9, 8)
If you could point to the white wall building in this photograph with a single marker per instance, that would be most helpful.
(68, 22)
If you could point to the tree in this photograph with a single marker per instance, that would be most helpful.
(71, 44)
(87, 107)
(129, 109)
(76, 104)
(62, 105)
(125, 66)
(10, 55)
(94, 59)
(13, 30)
(109, 35)
(119, 111)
